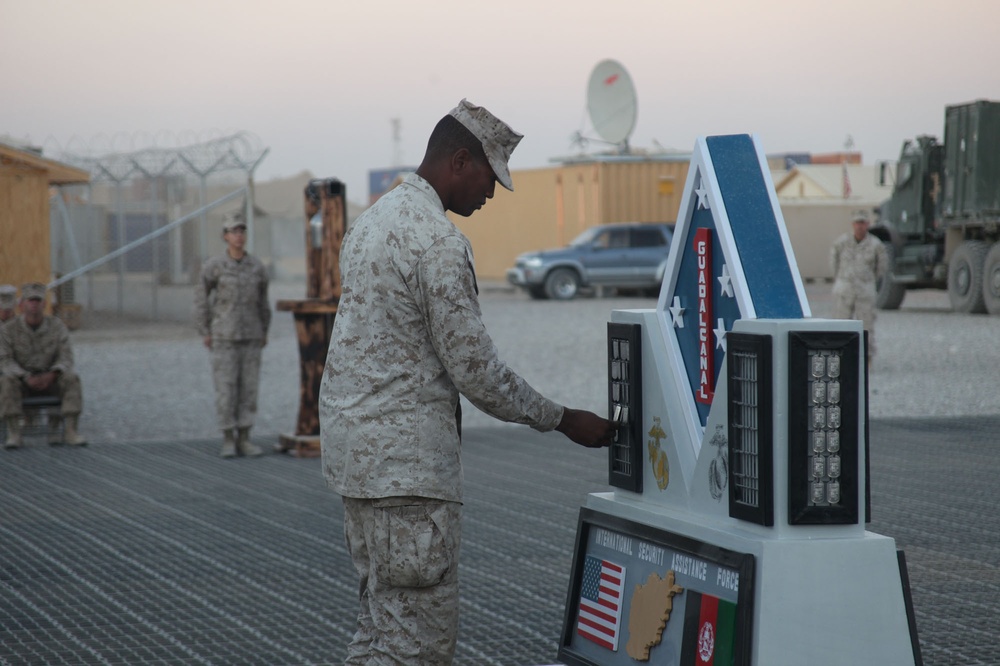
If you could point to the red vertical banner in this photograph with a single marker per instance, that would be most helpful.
(702, 246)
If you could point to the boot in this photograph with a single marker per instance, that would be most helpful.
(228, 444)
(55, 430)
(244, 445)
(13, 433)
(71, 436)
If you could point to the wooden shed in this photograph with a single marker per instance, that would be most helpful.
(25, 179)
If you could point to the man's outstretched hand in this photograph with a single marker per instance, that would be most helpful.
(586, 428)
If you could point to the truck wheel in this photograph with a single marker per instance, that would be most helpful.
(991, 280)
(562, 284)
(890, 293)
(537, 293)
(965, 277)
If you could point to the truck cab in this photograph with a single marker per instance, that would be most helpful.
(940, 225)
(913, 208)
(909, 223)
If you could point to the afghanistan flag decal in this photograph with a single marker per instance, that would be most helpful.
(709, 631)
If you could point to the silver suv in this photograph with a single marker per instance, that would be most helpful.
(627, 255)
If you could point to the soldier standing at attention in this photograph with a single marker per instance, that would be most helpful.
(858, 260)
(36, 359)
(232, 314)
(407, 340)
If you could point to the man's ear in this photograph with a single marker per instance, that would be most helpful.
(461, 160)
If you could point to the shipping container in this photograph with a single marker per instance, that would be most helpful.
(972, 162)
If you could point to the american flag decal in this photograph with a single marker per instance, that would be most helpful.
(600, 614)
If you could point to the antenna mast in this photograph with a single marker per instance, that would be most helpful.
(397, 150)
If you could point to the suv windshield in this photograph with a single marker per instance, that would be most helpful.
(585, 238)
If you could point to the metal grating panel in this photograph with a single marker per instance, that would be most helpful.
(745, 447)
(625, 405)
(750, 428)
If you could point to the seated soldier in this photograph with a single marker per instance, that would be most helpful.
(8, 302)
(36, 359)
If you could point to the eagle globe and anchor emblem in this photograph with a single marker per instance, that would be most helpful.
(657, 456)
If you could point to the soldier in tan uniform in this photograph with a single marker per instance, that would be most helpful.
(858, 260)
(407, 340)
(232, 314)
(8, 302)
(36, 359)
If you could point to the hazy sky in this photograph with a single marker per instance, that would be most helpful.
(319, 81)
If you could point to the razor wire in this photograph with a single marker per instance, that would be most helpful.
(138, 184)
(104, 159)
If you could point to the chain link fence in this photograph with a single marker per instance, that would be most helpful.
(133, 240)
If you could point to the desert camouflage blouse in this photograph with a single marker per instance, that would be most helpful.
(408, 338)
(856, 265)
(25, 350)
(230, 299)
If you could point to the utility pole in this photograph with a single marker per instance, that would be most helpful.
(397, 151)
(846, 185)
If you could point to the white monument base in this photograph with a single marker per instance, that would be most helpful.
(817, 601)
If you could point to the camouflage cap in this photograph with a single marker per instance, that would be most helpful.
(861, 216)
(498, 139)
(31, 290)
(233, 221)
(8, 297)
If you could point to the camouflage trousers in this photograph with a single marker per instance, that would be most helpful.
(850, 305)
(405, 550)
(236, 374)
(67, 387)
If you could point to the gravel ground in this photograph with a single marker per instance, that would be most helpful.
(146, 381)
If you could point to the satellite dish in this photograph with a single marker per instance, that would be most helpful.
(611, 102)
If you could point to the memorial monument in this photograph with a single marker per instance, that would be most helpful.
(735, 533)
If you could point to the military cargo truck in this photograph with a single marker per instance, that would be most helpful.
(941, 226)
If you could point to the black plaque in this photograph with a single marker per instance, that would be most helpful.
(655, 568)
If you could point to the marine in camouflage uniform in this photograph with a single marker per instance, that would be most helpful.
(232, 314)
(8, 302)
(858, 260)
(407, 340)
(36, 359)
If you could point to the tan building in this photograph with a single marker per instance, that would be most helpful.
(551, 206)
(816, 212)
(826, 181)
(25, 181)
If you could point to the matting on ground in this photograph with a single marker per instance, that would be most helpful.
(162, 552)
